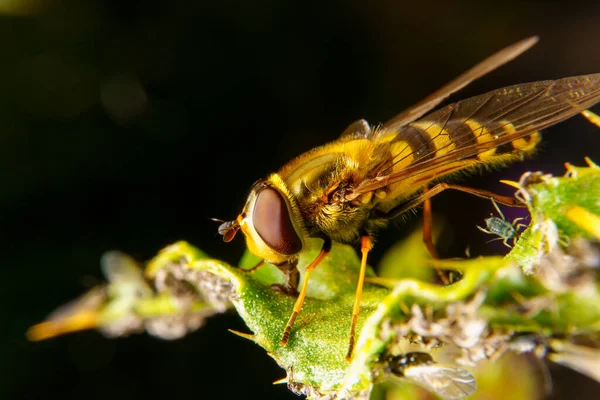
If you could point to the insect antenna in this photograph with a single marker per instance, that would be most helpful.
(227, 229)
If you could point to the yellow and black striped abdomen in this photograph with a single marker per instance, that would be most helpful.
(422, 152)
(496, 142)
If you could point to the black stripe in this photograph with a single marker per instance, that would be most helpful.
(460, 134)
(500, 129)
(421, 146)
(506, 148)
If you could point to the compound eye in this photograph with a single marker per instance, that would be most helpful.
(272, 221)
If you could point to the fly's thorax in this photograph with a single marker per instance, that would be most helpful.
(271, 221)
(320, 181)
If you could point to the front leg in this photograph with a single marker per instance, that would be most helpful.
(291, 273)
(292, 278)
(300, 300)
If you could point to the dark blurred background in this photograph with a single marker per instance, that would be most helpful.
(125, 124)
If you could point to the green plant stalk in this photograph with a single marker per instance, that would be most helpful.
(517, 295)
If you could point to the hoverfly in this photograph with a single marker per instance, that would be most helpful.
(500, 227)
(446, 381)
(348, 189)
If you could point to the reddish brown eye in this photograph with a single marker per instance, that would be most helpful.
(271, 219)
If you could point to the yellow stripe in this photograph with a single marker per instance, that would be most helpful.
(525, 146)
(482, 135)
(438, 136)
(398, 148)
(386, 137)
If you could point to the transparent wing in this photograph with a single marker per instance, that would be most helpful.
(357, 129)
(584, 360)
(119, 267)
(445, 381)
(126, 277)
(479, 70)
(468, 128)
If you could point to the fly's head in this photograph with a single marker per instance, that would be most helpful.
(270, 221)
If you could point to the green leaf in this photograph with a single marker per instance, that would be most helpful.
(561, 208)
(319, 339)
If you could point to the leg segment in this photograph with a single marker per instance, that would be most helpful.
(497, 208)
(253, 269)
(298, 305)
(425, 199)
(292, 279)
(365, 247)
(427, 239)
(440, 187)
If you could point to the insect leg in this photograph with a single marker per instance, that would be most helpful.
(292, 278)
(440, 187)
(517, 220)
(365, 247)
(518, 225)
(497, 208)
(298, 305)
(427, 229)
(484, 230)
(253, 269)
(428, 240)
